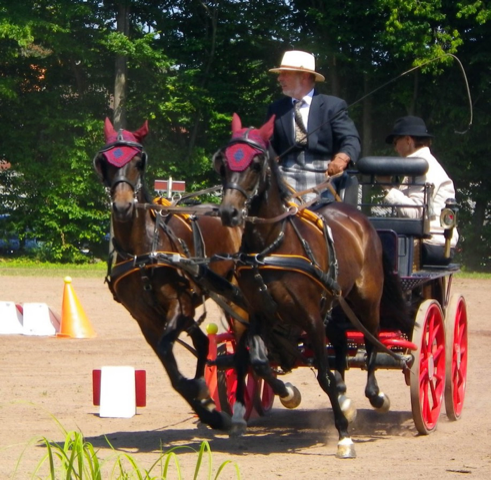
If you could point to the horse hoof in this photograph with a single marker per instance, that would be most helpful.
(381, 403)
(348, 408)
(346, 449)
(238, 424)
(293, 399)
(237, 429)
(226, 422)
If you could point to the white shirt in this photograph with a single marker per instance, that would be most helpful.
(304, 108)
(414, 195)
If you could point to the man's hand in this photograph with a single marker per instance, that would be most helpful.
(338, 164)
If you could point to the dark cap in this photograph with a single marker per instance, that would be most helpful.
(412, 126)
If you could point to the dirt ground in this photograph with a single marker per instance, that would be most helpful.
(48, 378)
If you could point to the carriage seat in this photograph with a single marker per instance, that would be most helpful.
(408, 167)
(396, 167)
(348, 189)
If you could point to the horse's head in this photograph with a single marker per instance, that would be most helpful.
(120, 165)
(243, 166)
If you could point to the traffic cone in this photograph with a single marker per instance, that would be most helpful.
(74, 322)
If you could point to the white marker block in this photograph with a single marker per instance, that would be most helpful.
(118, 392)
(10, 319)
(40, 320)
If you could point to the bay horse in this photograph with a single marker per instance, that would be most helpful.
(154, 291)
(293, 270)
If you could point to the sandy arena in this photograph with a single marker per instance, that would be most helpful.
(47, 378)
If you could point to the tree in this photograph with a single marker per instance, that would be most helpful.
(187, 66)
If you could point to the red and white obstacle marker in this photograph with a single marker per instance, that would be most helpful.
(170, 186)
(118, 391)
(28, 319)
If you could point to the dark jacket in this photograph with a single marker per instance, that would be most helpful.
(330, 128)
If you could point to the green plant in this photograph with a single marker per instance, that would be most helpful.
(77, 459)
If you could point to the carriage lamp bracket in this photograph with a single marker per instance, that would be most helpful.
(448, 215)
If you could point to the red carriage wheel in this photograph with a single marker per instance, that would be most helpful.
(456, 348)
(428, 369)
(259, 396)
(224, 381)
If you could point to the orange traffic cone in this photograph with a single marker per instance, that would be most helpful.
(74, 322)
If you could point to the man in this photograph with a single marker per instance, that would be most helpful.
(410, 138)
(328, 141)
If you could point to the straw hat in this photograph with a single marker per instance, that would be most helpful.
(298, 61)
(412, 126)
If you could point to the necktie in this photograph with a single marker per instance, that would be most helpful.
(300, 130)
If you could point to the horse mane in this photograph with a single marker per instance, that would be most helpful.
(285, 191)
(146, 194)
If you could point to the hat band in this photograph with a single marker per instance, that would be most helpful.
(297, 68)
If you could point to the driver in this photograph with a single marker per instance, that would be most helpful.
(324, 141)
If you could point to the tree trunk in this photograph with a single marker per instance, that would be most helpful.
(121, 70)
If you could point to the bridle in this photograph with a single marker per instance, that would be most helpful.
(120, 176)
(261, 180)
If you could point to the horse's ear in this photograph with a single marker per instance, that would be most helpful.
(142, 132)
(236, 123)
(266, 131)
(108, 128)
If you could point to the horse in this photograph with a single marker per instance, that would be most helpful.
(295, 270)
(155, 291)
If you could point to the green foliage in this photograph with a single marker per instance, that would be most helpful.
(77, 459)
(192, 64)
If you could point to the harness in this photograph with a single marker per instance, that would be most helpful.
(306, 265)
(121, 264)
(267, 260)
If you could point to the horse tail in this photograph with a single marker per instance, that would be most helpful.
(394, 310)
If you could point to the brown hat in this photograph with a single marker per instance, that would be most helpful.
(298, 61)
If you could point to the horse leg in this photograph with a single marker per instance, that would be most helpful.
(327, 381)
(289, 395)
(194, 391)
(201, 345)
(241, 365)
(336, 335)
(379, 400)
(252, 352)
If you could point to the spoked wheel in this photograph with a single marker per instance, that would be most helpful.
(456, 348)
(224, 381)
(428, 369)
(259, 396)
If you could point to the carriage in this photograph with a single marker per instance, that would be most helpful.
(175, 262)
(436, 353)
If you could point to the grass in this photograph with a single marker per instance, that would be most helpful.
(23, 267)
(77, 459)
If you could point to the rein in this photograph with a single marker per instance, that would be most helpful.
(306, 265)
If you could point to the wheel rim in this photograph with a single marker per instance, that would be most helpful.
(456, 320)
(259, 396)
(428, 370)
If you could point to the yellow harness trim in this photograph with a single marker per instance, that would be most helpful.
(309, 216)
(137, 269)
(277, 267)
(184, 217)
